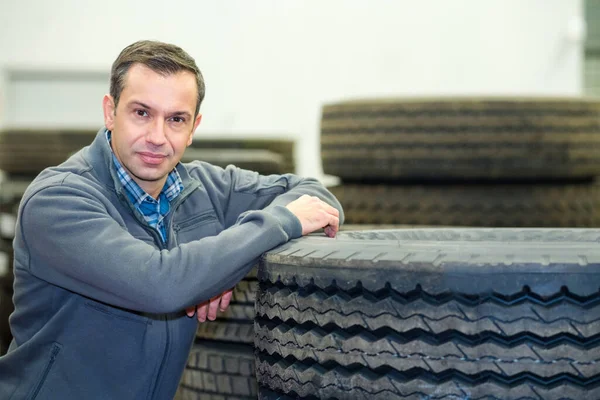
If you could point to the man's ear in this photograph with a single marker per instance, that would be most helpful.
(196, 123)
(108, 106)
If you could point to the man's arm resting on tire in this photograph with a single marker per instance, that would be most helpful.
(238, 190)
(74, 243)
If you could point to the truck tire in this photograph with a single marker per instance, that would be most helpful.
(219, 372)
(282, 148)
(461, 138)
(28, 152)
(575, 205)
(6, 308)
(262, 161)
(432, 313)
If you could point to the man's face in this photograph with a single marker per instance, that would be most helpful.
(152, 124)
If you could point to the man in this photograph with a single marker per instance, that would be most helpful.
(114, 245)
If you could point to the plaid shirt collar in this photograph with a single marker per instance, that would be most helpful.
(173, 186)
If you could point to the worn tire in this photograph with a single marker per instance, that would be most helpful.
(267, 394)
(219, 372)
(236, 324)
(262, 161)
(6, 265)
(6, 308)
(432, 313)
(8, 223)
(282, 148)
(30, 151)
(463, 138)
(501, 205)
(12, 188)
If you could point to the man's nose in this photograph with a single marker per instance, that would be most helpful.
(156, 133)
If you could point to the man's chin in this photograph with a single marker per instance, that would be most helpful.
(149, 176)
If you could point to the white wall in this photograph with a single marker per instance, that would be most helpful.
(269, 65)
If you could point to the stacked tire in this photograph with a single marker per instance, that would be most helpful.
(266, 156)
(465, 162)
(465, 313)
(221, 363)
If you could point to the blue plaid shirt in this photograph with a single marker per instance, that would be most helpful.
(153, 210)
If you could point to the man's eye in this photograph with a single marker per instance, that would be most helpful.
(178, 120)
(141, 113)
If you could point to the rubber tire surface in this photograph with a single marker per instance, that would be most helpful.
(266, 394)
(432, 313)
(219, 372)
(282, 147)
(262, 161)
(6, 308)
(6, 260)
(461, 138)
(30, 151)
(236, 324)
(501, 205)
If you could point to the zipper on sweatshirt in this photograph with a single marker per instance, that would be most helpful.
(163, 246)
(53, 353)
(186, 192)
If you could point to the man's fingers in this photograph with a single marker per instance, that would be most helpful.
(329, 231)
(334, 225)
(313, 214)
(202, 312)
(226, 299)
(331, 210)
(213, 307)
(190, 311)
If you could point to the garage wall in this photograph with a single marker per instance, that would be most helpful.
(270, 64)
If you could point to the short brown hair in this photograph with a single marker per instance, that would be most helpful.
(163, 58)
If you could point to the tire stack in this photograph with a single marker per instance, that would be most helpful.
(221, 363)
(266, 156)
(453, 313)
(465, 162)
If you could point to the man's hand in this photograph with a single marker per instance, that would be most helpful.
(208, 309)
(315, 214)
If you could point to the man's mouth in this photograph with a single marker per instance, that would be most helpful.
(152, 158)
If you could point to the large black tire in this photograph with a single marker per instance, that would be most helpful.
(11, 190)
(6, 308)
(267, 394)
(432, 313)
(219, 372)
(30, 151)
(262, 161)
(8, 222)
(6, 264)
(463, 138)
(500, 205)
(283, 148)
(231, 332)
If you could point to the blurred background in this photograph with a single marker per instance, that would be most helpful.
(272, 68)
(269, 65)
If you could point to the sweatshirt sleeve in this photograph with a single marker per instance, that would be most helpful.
(71, 238)
(240, 191)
